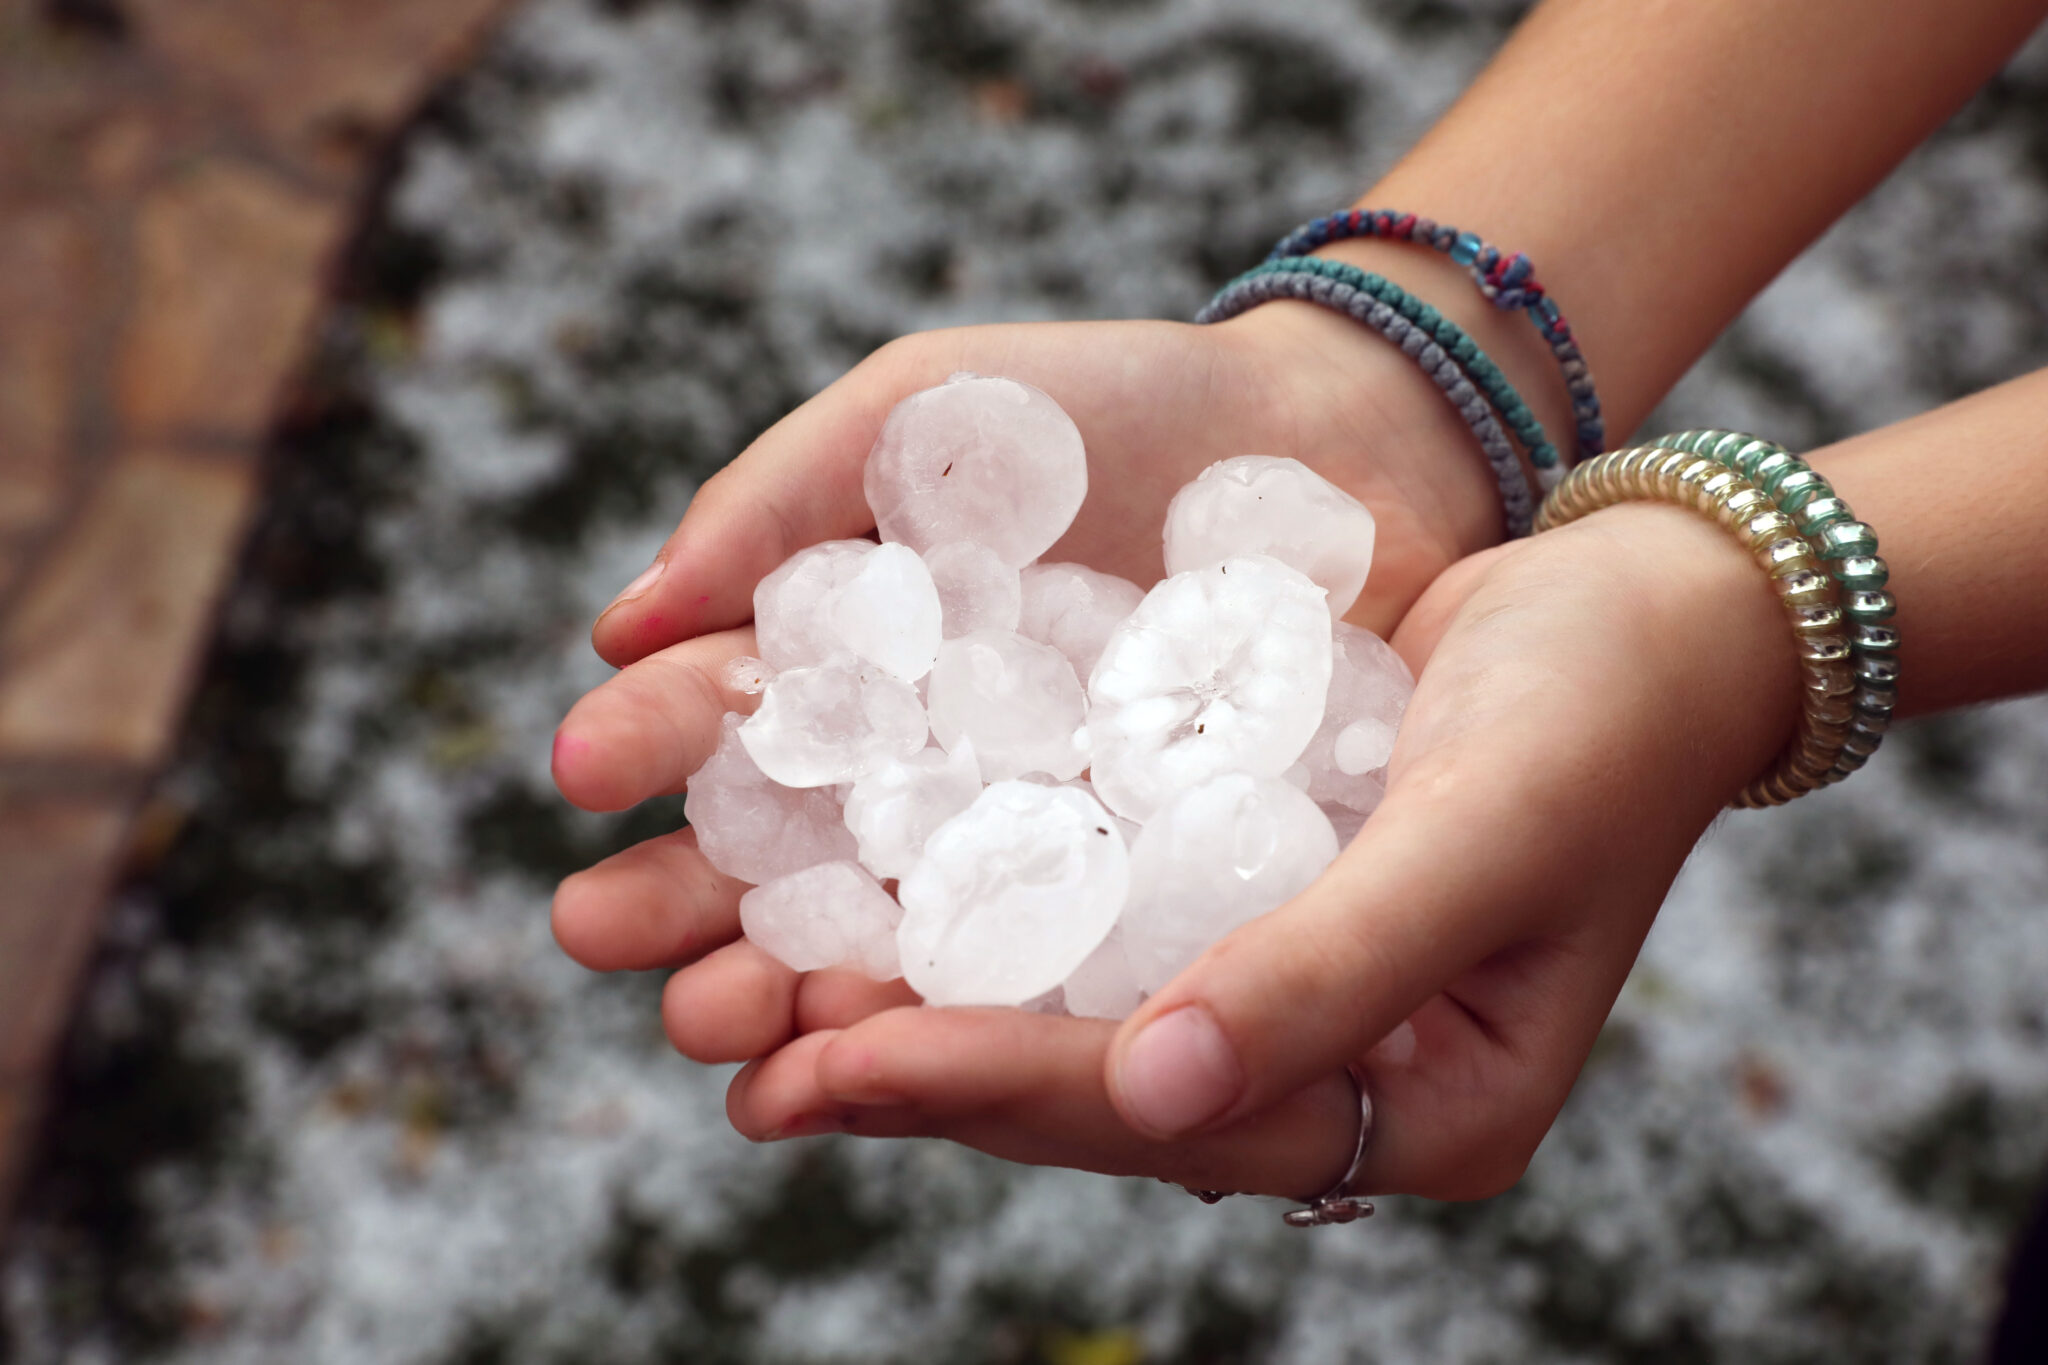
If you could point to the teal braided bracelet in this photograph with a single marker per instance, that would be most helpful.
(1248, 291)
(1848, 548)
(1486, 375)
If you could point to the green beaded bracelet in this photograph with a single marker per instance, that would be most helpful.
(1848, 549)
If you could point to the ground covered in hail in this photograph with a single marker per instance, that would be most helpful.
(335, 1097)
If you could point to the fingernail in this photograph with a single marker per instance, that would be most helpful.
(647, 579)
(1179, 1073)
(810, 1125)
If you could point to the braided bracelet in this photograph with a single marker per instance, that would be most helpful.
(1701, 483)
(1506, 281)
(1379, 305)
(1479, 367)
(1848, 548)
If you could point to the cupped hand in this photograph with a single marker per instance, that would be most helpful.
(1588, 701)
(1156, 403)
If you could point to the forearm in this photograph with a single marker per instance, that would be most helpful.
(1958, 497)
(1662, 161)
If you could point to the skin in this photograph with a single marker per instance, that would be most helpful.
(1626, 674)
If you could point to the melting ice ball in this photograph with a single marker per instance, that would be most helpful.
(1104, 986)
(1011, 896)
(1221, 669)
(830, 915)
(895, 808)
(1268, 505)
(1370, 686)
(1018, 701)
(753, 828)
(1074, 609)
(876, 602)
(988, 460)
(1218, 857)
(834, 723)
(977, 590)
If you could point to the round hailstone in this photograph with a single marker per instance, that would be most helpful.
(1018, 701)
(1267, 505)
(1074, 608)
(1219, 670)
(748, 676)
(894, 809)
(752, 828)
(1219, 856)
(888, 612)
(1011, 895)
(988, 460)
(874, 601)
(1369, 690)
(977, 590)
(834, 723)
(792, 626)
(830, 915)
(1104, 986)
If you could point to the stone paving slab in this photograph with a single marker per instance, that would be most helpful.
(177, 179)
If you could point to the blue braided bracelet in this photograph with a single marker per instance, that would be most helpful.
(1485, 375)
(1432, 341)
(1506, 281)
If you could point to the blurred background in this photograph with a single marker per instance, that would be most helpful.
(353, 355)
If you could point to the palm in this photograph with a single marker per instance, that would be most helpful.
(1156, 403)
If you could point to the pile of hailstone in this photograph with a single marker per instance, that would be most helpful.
(1075, 785)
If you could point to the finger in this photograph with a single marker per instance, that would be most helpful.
(657, 904)
(837, 998)
(642, 732)
(1028, 1087)
(799, 483)
(735, 1004)
(1545, 723)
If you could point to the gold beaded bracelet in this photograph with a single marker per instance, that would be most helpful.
(1811, 600)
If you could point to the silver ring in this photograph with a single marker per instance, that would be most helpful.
(1336, 1204)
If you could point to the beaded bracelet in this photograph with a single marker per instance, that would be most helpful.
(1379, 307)
(1485, 375)
(1506, 281)
(1702, 484)
(1848, 548)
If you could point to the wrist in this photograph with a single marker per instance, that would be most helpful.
(1720, 684)
(1390, 438)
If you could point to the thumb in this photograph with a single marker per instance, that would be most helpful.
(1552, 714)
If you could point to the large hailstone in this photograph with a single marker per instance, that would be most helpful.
(977, 590)
(1219, 856)
(1223, 669)
(1104, 986)
(1074, 609)
(987, 460)
(894, 809)
(837, 722)
(754, 829)
(876, 602)
(1370, 686)
(830, 915)
(1011, 896)
(1267, 505)
(1018, 701)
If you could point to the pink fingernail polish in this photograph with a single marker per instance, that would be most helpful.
(1179, 1073)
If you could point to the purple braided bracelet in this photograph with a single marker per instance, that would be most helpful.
(1506, 281)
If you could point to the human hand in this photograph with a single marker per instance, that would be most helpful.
(1588, 701)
